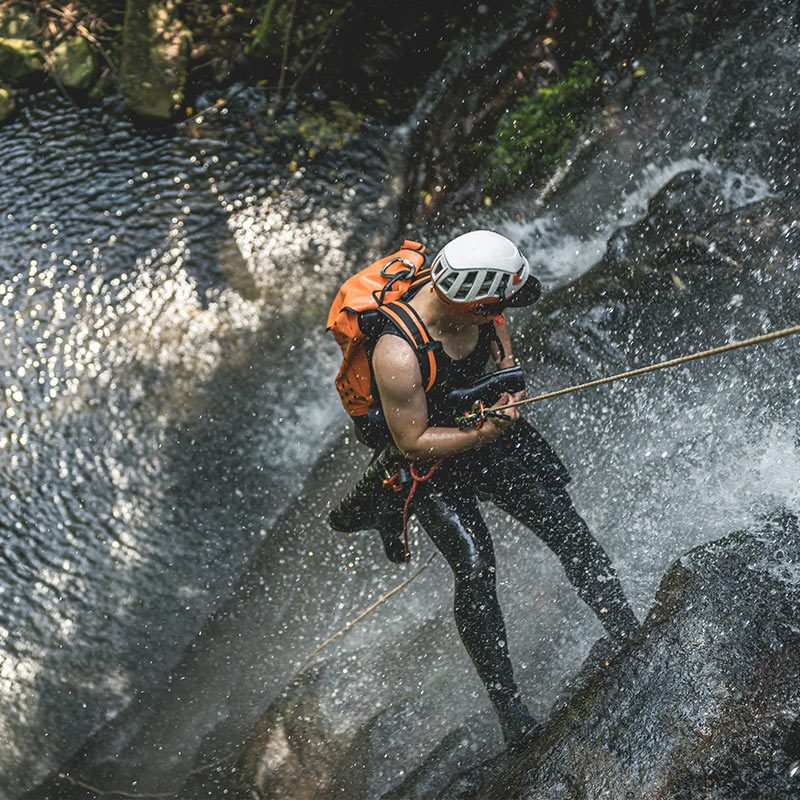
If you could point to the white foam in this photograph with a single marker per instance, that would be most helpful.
(565, 253)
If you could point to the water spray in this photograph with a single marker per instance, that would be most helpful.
(478, 413)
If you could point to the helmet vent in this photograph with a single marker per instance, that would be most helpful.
(448, 280)
(487, 287)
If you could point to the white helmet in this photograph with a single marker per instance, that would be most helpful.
(482, 268)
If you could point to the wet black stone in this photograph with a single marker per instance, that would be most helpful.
(703, 704)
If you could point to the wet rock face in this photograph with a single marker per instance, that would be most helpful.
(690, 220)
(350, 727)
(705, 703)
(692, 260)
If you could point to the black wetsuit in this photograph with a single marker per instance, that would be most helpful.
(522, 475)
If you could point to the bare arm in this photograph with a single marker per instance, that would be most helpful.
(397, 374)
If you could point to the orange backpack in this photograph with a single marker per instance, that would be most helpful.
(378, 287)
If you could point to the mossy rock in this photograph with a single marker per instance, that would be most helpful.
(8, 103)
(17, 23)
(155, 59)
(20, 59)
(537, 133)
(76, 64)
(329, 128)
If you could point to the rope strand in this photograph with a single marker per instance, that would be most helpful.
(361, 616)
(766, 337)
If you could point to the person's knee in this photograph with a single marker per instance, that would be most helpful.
(538, 506)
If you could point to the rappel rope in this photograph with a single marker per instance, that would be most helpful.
(478, 413)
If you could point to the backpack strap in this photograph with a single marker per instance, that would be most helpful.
(423, 276)
(416, 334)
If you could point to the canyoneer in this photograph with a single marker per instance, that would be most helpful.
(441, 336)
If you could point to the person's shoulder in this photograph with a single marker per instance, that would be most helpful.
(393, 352)
(391, 345)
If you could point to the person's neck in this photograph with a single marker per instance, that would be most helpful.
(438, 317)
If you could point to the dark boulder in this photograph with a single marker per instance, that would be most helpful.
(705, 703)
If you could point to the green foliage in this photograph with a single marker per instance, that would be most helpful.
(536, 134)
(330, 128)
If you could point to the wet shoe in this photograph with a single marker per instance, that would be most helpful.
(352, 514)
(520, 729)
